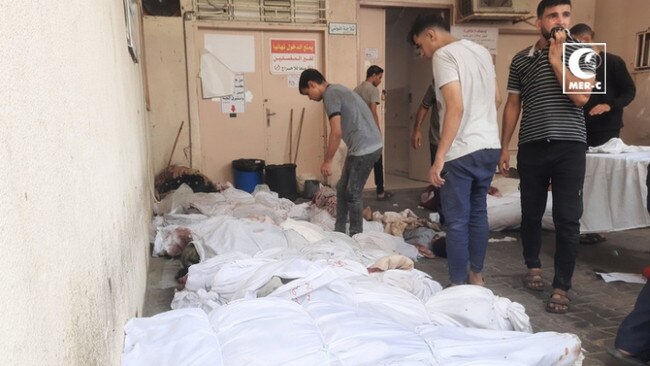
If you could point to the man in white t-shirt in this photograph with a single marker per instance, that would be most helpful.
(469, 147)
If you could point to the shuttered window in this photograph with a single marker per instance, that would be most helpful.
(268, 11)
(643, 51)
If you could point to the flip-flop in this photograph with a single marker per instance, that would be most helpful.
(627, 359)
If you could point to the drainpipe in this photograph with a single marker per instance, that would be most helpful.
(188, 15)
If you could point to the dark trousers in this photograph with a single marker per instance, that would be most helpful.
(436, 190)
(349, 190)
(562, 164)
(634, 333)
(597, 138)
(379, 174)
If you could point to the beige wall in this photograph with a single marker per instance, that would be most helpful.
(165, 60)
(617, 26)
(74, 184)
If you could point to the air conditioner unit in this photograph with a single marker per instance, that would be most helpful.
(492, 10)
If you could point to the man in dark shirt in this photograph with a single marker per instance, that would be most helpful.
(604, 112)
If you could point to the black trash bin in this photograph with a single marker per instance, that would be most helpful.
(282, 179)
(247, 173)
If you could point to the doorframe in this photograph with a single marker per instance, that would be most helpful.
(191, 28)
(386, 5)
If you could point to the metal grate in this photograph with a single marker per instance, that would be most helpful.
(268, 11)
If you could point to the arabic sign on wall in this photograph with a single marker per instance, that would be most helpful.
(343, 28)
(486, 37)
(235, 103)
(292, 56)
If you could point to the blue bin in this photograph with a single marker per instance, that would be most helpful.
(247, 173)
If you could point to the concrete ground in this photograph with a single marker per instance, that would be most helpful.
(597, 308)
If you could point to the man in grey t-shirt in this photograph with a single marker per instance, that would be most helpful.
(368, 91)
(350, 120)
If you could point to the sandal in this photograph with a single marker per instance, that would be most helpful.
(625, 357)
(533, 280)
(559, 304)
(593, 238)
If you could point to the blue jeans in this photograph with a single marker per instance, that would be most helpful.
(349, 190)
(464, 205)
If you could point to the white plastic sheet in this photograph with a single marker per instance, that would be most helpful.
(173, 338)
(296, 294)
(452, 345)
(268, 332)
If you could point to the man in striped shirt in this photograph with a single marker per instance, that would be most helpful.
(552, 145)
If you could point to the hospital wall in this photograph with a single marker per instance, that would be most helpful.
(74, 185)
(166, 83)
(617, 26)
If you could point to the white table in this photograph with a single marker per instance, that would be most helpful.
(615, 192)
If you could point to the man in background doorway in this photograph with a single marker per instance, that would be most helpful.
(604, 112)
(427, 104)
(370, 94)
(350, 119)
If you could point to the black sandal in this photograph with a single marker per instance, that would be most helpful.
(590, 239)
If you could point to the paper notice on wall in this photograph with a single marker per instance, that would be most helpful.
(292, 56)
(236, 52)
(372, 54)
(486, 37)
(235, 103)
(293, 80)
(216, 79)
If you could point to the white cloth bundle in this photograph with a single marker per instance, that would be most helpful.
(472, 306)
(173, 338)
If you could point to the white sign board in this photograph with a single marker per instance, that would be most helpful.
(234, 51)
(343, 28)
(292, 56)
(486, 37)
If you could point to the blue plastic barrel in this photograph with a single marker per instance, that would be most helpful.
(247, 173)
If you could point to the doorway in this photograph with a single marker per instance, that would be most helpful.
(407, 78)
(382, 41)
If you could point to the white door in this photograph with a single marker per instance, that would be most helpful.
(262, 130)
